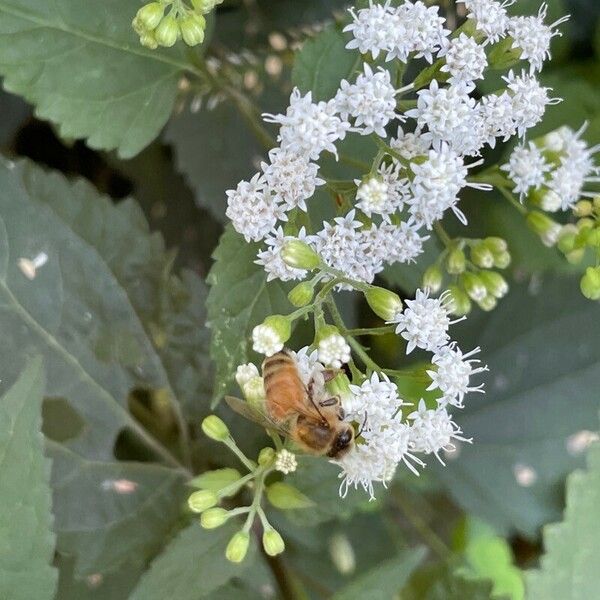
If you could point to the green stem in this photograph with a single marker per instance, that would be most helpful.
(441, 233)
(371, 330)
(508, 195)
(230, 443)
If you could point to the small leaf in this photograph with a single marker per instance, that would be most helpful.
(216, 480)
(192, 566)
(25, 503)
(239, 299)
(286, 497)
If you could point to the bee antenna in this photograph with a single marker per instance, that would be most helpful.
(362, 427)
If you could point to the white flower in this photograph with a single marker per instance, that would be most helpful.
(373, 400)
(372, 195)
(532, 36)
(433, 431)
(403, 243)
(252, 209)
(490, 17)
(373, 28)
(371, 101)
(454, 370)
(424, 322)
(271, 260)
(527, 168)
(265, 340)
(422, 31)
(244, 373)
(292, 178)
(465, 59)
(334, 351)
(307, 362)
(309, 128)
(529, 100)
(410, 145)
(496, 113)
(384, 193)
(285, 462)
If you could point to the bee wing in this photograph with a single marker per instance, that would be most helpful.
(256, 415)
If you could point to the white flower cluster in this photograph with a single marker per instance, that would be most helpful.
(386, 440)
(398, 198)
(555, 168)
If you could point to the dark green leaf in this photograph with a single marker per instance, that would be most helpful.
(25, 504)
(541, 346)
(239, 299)
(83, 68)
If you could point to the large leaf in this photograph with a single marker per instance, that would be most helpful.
(541, 344)
(570, 567)
(97, 311)
(25, 517)
(239, 299)
(192, 566)
(82, 66)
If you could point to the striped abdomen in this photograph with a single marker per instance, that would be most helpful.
(283, 387)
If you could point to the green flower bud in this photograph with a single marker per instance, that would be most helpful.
(502, 260)
(201, 500)
(383, 303)
(456, 262)
(549, 200)
(481, 255)
(590, 283)
(325, 331)
(473, 285)
(205, 6)
(461, 305)
(496, 244)
(214, 517)
(299, 255)
(272, 542)
(302, 294)
(192, 29)
(487, 303)
(237, 547)
(575, 256)
(596, 203)
(544, 226)
(266, 457)
(585, 224)
(583, 208)
(215, 428)
(254, 392)
(281, 325)
(494, 283)
(167, 32)
(339, 386)
(566, 239)
(150, 15)
(593, 238)
(148, 40)
(432, 278)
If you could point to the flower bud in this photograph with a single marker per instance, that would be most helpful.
(244, 373)
(383, 303)
(215, 428)
(266, 456)
(269, 337)
(461, 305)
(456, 262)
(192, 29)
(473, 285)
(583, 208)
(566, 239)
(432, 278)
(487, 303)
(340, 386)
(150, 15)
(544, 226)
(596, 203)
(286, 462)
(167, 32)
(575, 256)
(148, 40)
(502, 260)
(205, 6)
(214, 517)
(342, 553)
(593, 238)
(299, 255)
(254, 392)
(237, 547)
(272, 542)
(481, 255)
(302, 294)
(550, 201)
(201, 500)
(590, 283)
(494, 283)
(496, 244)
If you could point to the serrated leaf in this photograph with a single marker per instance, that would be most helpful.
(93, 311)
(239, 299)
(84, 69)
(27, 544)
(286, 497)
(192, 566)
(385, 581)
(541, 347)
(322, 63)
(571, 563)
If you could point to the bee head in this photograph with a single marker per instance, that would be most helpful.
(342, 442)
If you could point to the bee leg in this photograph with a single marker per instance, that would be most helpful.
(333, 401)
(329, 374)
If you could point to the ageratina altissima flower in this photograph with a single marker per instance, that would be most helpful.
(490, 17)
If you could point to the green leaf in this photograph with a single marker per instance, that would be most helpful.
(385, 581)
(25, 503)
(84, 69)
(322, 63)
(192, 566)
(286, 497)
(239, 299)
(108, 318)
(541, 347)
(570, 566)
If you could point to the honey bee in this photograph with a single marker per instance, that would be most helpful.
(307, 414)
